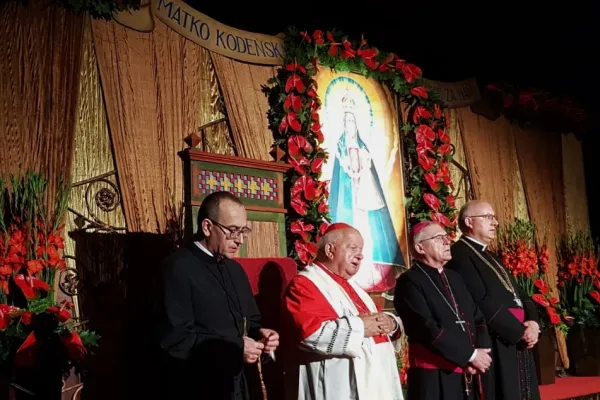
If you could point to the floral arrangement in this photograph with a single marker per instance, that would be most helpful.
(294, 121)
(403, 363)
(528, 263)
(578, 277)
(536, 100)
(31, 248)
(535, 107)
(97, 9)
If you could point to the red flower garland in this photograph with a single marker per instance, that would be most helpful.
(528, 263)
(294, 120)
(579, 277)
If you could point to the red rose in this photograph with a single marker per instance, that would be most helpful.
(411, 72)
(420, 112)
(419, 91)
(432, 201)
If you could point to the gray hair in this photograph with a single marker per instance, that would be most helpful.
(416, 237)
(332, 237)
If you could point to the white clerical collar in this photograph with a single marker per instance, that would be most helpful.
(476, 241)
(203, 248)
(439, 270)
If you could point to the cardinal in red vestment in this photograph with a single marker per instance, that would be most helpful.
(341, 344)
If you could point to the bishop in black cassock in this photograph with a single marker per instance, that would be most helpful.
(445, 329)
(211, 321)
(506, 309)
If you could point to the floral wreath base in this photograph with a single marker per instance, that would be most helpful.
(294, 121)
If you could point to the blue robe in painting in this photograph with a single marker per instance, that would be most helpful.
(386, 249)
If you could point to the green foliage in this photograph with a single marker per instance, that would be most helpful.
(586, 314)
(519, 229)
(97, 9)
(578, 277)
(10, 339)
(31, 245)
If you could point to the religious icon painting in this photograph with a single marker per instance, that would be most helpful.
(360, 125)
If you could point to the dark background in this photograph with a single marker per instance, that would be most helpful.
(532, 44)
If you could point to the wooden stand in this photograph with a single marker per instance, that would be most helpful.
(544, 355)
(258, 184)
(584, 349)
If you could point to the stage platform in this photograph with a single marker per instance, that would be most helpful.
(572, 388)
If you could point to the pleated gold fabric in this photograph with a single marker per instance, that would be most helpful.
(247, 110)
(246, 105)
(40, 56)
(540, 159)
(92, 155)
(157, 89)
(264, 241)
(490, 153)
(460, 179)
(576, 204)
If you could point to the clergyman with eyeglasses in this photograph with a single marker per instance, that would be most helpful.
(211, 321)
(448, 342)
(511, 316)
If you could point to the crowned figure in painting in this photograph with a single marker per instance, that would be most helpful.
(357, 198)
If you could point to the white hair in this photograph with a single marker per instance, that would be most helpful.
(332, 237)
(417, 237)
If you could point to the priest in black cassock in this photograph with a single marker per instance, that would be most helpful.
(448, 344)
(212, 323)
(511, 316)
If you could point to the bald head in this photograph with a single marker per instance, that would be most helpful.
(478, 220)
(340, 250)
(470, 208)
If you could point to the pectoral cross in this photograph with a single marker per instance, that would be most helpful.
(461, 324)
(518, 301)
(467, 390)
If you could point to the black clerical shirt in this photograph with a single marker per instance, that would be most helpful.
(512, 374)
(207, 305)
(440, 347)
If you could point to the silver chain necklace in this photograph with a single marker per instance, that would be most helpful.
(454, 309)
(504, 278)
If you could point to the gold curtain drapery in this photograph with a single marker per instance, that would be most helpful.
(491, 158)
(576, 204)
(92, 150)
(157, 88)
(247, 110)
(246, 105)
(40, 61)
(460, 179)
(540, 159)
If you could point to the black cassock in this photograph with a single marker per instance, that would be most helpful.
(513, 374)
(437, 343)
(207, 304)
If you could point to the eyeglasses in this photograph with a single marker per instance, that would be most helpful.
(232, 233)
(489, 217)
(443, 239)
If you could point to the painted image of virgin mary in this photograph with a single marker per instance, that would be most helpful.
(356, 197)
